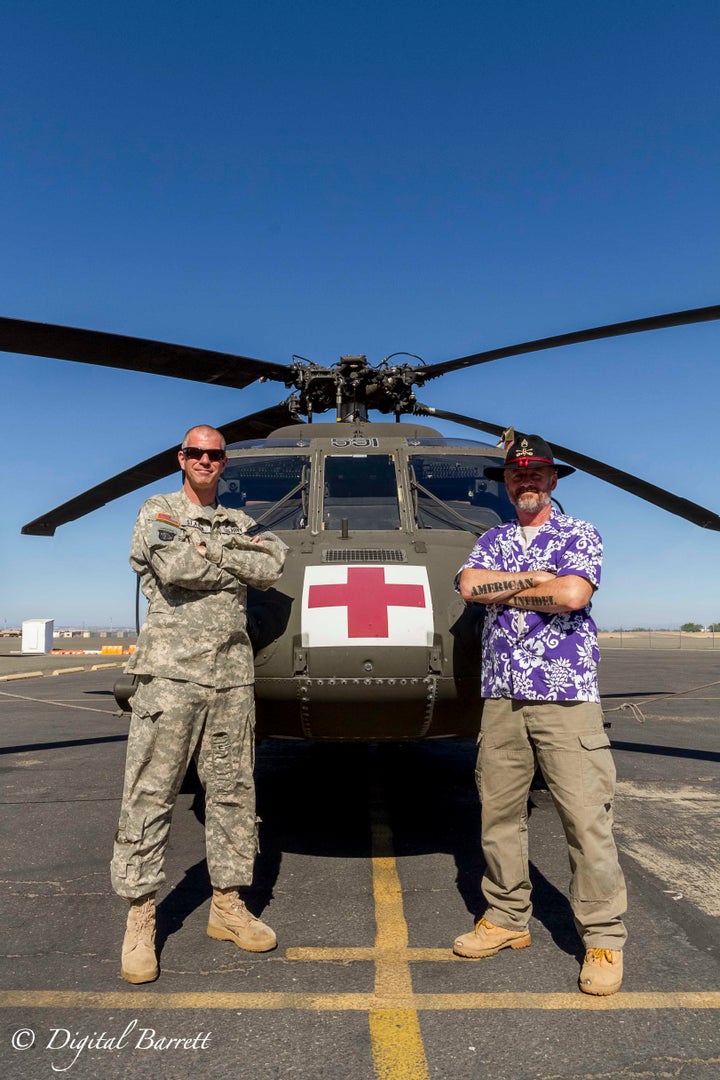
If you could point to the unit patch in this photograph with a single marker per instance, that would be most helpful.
(167, 519)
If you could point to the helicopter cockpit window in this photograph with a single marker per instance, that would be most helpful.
(271, 488)
(363, 490)
(451, 487)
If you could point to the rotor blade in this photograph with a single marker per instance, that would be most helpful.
(674, 504)
(135, 354)
(256, 425)
(634, 326)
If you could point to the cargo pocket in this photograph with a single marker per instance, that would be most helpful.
(142, 737)
(144, 700)
(223, 767)
(502, 763)
(598, 768)
(127, 863)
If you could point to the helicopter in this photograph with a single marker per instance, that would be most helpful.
(364, 639)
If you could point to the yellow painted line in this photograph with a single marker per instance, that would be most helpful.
(395, 1036)
(325, 954)
(397, 1046)
(80, 999)
(369, 953)
(401, 1004)
(577, 1000)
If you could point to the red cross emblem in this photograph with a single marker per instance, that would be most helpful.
(367, 597)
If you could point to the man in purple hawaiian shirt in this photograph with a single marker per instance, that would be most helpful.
(536, 577)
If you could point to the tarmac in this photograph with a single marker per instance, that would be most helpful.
(369, 866)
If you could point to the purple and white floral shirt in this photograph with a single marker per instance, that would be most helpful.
(534, 655)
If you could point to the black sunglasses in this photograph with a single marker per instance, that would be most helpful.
(196, 453)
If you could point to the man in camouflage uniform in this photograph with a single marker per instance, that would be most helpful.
(194, 697)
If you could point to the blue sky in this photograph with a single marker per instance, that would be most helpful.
(325, 178)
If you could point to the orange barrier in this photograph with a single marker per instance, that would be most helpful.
(106, 650)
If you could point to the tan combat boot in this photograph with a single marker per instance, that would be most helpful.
(602, 971)
(230, 920)
(487, 939)
(139, 962)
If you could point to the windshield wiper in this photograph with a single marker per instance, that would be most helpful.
(276, 505)
(473, 526)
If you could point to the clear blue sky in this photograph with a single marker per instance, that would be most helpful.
(321, 178)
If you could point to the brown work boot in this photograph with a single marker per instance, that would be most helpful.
(487, 939)
(230, 920)
(139, 962)
(602, 971)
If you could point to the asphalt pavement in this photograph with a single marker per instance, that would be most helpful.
(369, 866)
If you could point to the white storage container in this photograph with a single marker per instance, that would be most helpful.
(37, 635)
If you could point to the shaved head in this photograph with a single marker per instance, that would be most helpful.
(203, 430)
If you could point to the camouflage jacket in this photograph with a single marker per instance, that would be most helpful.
(195, 628)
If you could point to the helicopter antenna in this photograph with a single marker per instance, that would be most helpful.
(412, 356)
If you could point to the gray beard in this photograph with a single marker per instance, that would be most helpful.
(532, 501)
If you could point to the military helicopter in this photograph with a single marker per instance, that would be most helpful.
(365, 638)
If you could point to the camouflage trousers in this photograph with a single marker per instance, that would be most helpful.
(172, 721)
(569, 742)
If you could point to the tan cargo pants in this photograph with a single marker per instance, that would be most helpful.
(573, 751)
(172, 721)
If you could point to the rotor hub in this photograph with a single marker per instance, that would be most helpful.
(352, 387)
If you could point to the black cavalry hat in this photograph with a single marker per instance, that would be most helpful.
(524, 452)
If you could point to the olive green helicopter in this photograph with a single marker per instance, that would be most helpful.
(364, 638)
